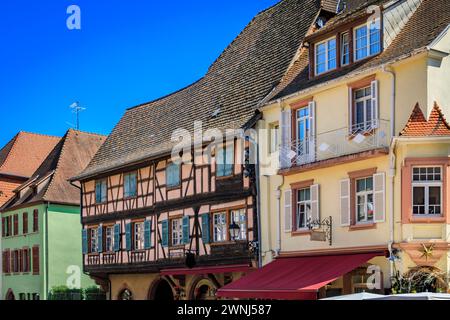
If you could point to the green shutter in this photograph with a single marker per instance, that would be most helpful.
(84, 244)
(128, 234)
(229, 160)
(205, 228)
(100, 239)
(147, 234)
(165, 233)
(117, 238)
(186, 230)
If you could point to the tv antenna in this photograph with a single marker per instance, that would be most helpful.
(76, 108)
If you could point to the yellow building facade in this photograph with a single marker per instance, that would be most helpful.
(341, 188)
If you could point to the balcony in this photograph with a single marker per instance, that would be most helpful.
(362, 137)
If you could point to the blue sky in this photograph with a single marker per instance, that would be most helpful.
(126, 53)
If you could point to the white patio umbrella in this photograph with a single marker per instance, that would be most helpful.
(356, 296)
(417, 296)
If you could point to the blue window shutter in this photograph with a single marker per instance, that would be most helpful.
(117, 238)
(220, 161)
(205, 228)
(84, 241)
(128, 236)
(173, 175)
(147, 234)
(165, 233)
(186, 230)
(100, 239)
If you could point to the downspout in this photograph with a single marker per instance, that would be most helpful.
(392, 167)
(45, 253)
(258, 206)
(278, 196)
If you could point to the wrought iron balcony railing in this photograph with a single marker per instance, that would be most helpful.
(360, 137)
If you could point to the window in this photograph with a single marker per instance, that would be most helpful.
(220, 227)
(130, 185)
(173, 175)
(15, 261)
(274, 137)
(303, 120)
(26, 265)
(16, 224)
(303, 211)
(367, 40)
(345, 49)
(364, 110)
(36, 260)
(177, 232)
(25, 223)
(364, 200)
(6, 226)
(6, 259)
(93, 237)
(240, 218)
(225, 161)
(427, 191)
(109, 239)
(138, 232)
(325, 56)
(101, 191)
(35, 220)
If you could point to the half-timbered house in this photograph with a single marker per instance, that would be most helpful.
(157, 229)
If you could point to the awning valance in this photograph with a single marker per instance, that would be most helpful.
(298, 278)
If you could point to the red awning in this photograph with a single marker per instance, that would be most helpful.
(206, 270)
(297, 278)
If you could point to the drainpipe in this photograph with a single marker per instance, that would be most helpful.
(392, 168)
(279, 210)
(45, 253)
(258, 206)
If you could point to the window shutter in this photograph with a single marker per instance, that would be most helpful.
(100, 239)
(312, 132)
(35, 260)
(128, 235)
(205, 228)
(375, 107)
(345, 203)
(84, 242)
(379, 203)
(148, 234)
(117, 238)
(286, 139)
(315, 202)
(165, 233)
(288, 211)
(229, 160)
(3, 227)
(186, 230)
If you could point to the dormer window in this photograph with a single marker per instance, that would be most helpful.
(325, 56)
(367, 40)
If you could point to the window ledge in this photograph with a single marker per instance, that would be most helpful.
(299, 233)
(365, 226)
(438, 219)
(225, 177)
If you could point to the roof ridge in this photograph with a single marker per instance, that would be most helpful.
(441, 115)
(89, 133)
(38, 134)
(14, 142)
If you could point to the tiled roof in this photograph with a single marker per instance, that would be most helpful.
(249, 68)
(419, 126)
(24, 153)
(50, 181)
(425, 25)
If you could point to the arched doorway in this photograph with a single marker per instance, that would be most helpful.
(161, 291)
(203, 289)
(10, 295)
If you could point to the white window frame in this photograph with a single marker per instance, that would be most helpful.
(327, 57)
(109, 239)
(307, 120)
(364, 194)
(93, 241)
(241, 221)
(427, 185)
(342, 48)
(274, 137)
(138, 236)
(306, 203)
(366, 124)
(176, 231)
(369, 36)
(223, 228)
